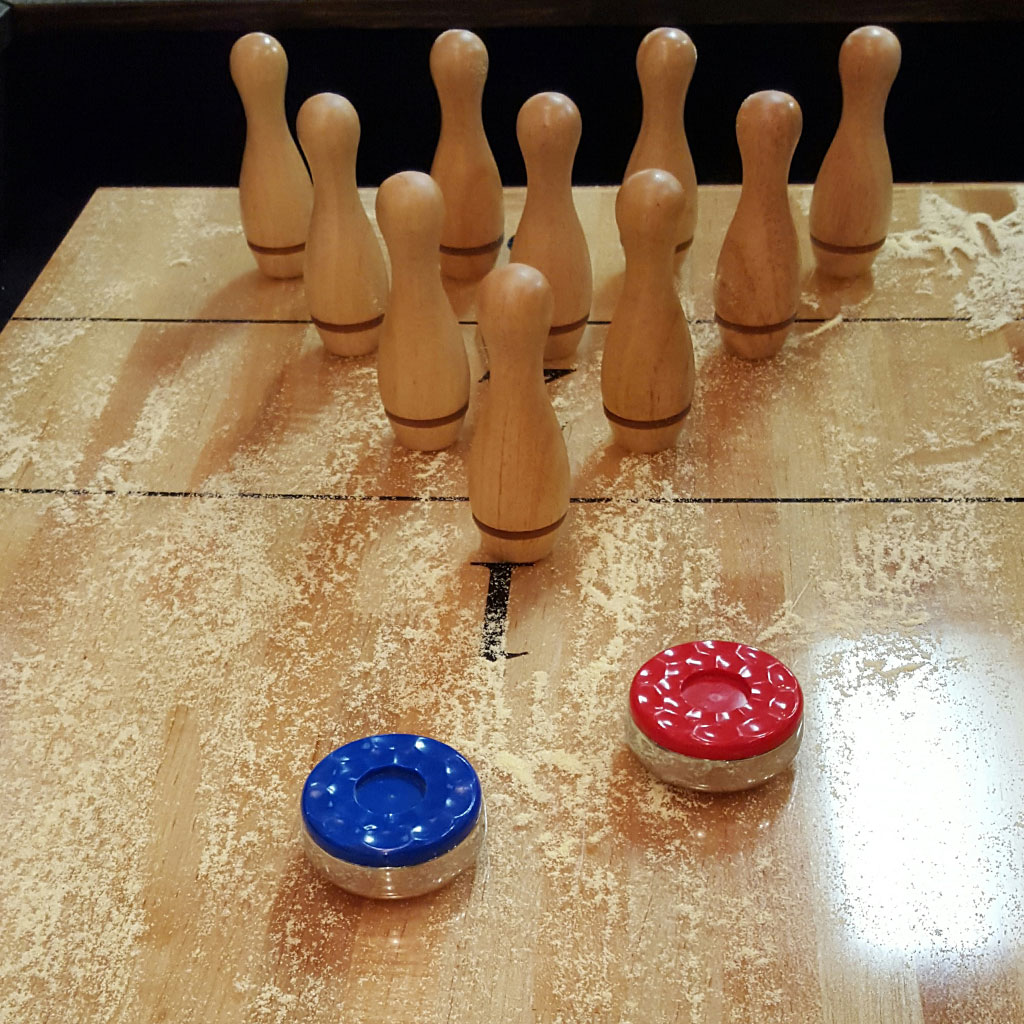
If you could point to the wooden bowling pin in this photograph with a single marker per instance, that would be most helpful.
(274, 189)
(851, 205)
(422, 369)
(518, 465)
(464, 167)
(345, 274)
(647, 365)
(664, 64)
(757, 282)
(550, 236)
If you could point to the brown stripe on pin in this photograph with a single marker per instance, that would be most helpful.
(847, 250)
(364, 325)
(440, 421)
(683, 246)
(475, 250)
(575, 325)
(493, 531)
(277, 250)
(667, 421)
(754, 329)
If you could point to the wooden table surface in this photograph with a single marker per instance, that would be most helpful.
(216, 567)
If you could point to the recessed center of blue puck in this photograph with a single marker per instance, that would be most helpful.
(390, 790)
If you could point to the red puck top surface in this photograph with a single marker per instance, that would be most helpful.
(716, 700)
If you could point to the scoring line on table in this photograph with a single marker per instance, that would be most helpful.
(704, 321)
(933, 499)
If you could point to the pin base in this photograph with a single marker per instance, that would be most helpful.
(646, 441)
(281, 267)
(748, 345)
(531, 546)
(519, 551)
(468, 267)
(562, 344)
(844, 266)
(354, 343)
(427, 439)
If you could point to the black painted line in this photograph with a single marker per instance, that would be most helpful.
(550, 373)
(463, 323)
(922, 500)
(182, 320)
(869, 320)
(90, 492)
(97, 492)
(710, 321)
(148, 320)
(495, 624)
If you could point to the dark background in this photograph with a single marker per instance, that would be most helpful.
(138, 93)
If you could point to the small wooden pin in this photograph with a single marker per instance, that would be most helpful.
(851, 205)
(757, 282)
(274, 189)
(464, 167)
(518, 464)
(550, 236)
(647, 368)
(422, 369)
(665, 64)
(345, 275)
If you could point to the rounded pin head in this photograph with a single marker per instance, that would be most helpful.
(410, 203)
(458, 61)
(549, 121)
(328, 127)
(258, 65)
(768, 128)
(649, 203)
(514, 292)
(666, 53)
(869, 57)
(770, 110)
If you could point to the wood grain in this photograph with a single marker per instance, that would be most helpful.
(179, 254)
(212, 573)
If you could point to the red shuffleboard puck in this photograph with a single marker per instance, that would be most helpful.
(715, 715)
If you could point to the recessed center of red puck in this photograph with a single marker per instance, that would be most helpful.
(714, 692)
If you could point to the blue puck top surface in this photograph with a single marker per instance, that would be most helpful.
(391, 801)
